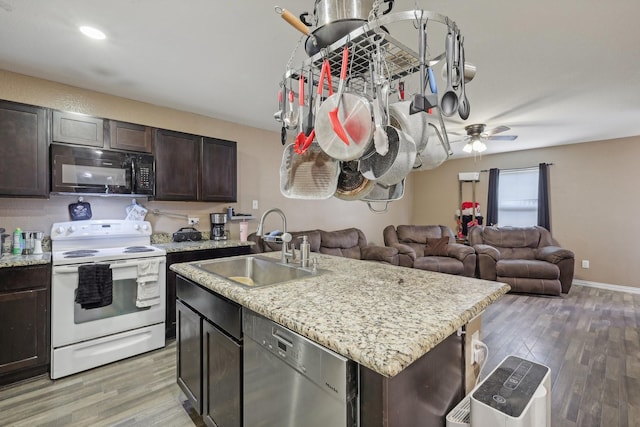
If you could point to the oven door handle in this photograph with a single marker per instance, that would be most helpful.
(113, 266)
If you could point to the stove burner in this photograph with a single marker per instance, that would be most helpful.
(79, 253)
(133, 249)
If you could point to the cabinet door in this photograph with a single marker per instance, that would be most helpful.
(189, 350)
(77, 128)
(24, 320)
(129, 136)
(23, 150)
(177, 159)
(222, 378)
(218, 170)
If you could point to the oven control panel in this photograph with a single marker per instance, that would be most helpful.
(99, 228)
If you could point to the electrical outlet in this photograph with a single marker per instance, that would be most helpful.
(254, 205)
(585, 263)
(194, 221)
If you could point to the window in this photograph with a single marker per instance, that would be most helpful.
(518, 197)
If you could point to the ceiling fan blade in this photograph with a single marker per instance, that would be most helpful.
(503, 137)
(498, 129)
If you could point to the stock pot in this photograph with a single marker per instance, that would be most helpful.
(335, 19)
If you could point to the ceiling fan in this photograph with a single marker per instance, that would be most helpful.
(476, 137)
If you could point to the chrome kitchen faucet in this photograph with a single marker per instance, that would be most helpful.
(285, 238)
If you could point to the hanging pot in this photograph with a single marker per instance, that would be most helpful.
(393, 166)
(351, 184)
(335, 19)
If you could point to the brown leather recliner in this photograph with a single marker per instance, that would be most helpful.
(430, 247)
(526, 258)
(349, 243)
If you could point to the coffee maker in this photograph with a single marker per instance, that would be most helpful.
(218, 226)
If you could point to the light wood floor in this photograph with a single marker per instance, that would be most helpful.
(590, 340)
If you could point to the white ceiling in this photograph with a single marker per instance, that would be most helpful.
(556, 72)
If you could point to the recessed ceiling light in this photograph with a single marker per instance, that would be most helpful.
(94, 33)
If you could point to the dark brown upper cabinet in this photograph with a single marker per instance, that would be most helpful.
(128, 136)
(218, 171)
(177, 158)
(194, 168)
(76, 128)
(23, 150)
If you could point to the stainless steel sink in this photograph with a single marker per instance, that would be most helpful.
(255, 271)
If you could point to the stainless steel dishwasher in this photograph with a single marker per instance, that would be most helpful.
(290, 381)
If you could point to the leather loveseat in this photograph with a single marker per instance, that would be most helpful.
(526, 258)
(349, 243)
(430, 247)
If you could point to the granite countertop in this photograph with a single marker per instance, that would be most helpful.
(9, 260)
(381, 316)
(171, 246)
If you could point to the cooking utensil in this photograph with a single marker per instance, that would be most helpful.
(278, 114)
(420, 101)
(356, 121)
(449, 101)
(463, 108)
(290, 118)
(380, 140)
(333, 114)
(295, 23)
(312, 175)
(385, 194)
(304, 141)
(80, 210)
(351, 184)
(309, 119)
(301, 101)
(396, 164)
(415, 125)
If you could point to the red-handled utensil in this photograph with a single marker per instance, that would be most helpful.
(303, 141)
(333, 114)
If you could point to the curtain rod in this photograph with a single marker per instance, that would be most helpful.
(515, 169)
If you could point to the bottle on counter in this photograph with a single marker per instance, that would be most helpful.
(17, 241)
(244, 231)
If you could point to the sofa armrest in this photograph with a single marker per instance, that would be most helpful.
(380, 253)
(406, 254)
(553, 254)
(487, 251)
(486, 259)
(459, 251)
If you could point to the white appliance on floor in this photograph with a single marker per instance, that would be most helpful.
(84, 338)
(517, 393)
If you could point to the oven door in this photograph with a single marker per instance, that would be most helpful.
(70, 323)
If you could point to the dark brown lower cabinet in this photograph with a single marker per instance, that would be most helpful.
(189, 350)
(188, 256)
(24, 322)
(209, 346)
(222, 378)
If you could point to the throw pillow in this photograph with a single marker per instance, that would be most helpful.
(436, 247)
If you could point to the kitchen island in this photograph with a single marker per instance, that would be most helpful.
(390, 320)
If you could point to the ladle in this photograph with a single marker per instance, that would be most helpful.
(463, 108)
(449, 102)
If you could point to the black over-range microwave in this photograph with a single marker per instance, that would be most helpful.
(93, 170)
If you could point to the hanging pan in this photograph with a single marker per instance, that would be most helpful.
(351, 184)
(384, 194)
(312, 175)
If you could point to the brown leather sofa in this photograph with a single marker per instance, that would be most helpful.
(430, 247)
(349, 243)
(526, 258)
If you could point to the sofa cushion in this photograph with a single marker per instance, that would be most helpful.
(527, 269)
(440, 264)
(436, 246)
(418, 233)
(345, 243)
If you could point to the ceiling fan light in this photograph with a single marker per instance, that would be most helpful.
(467, 148)
(92, 32)
(479, 146)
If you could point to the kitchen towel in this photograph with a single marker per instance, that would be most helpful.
(95, 286)
(148, 288)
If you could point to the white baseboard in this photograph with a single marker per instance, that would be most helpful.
(618, 288)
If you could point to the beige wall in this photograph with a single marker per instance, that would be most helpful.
(593, 198)
(259, 157)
